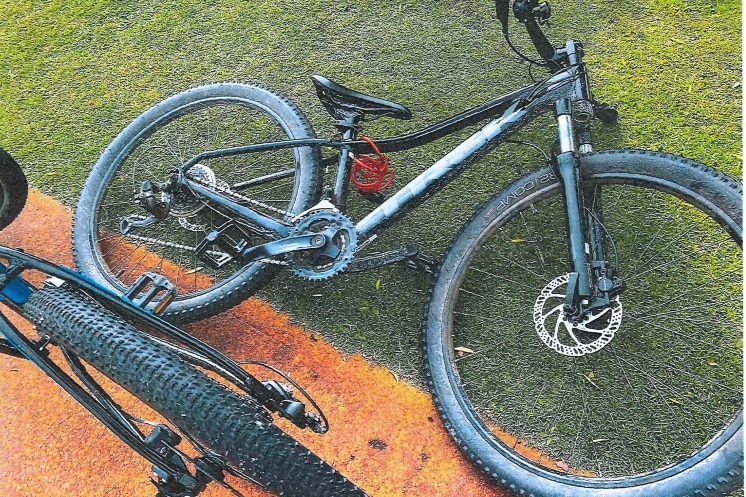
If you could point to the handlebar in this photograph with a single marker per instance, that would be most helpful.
(531, 13)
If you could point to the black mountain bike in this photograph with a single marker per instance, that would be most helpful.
(591, 309)
(230, 428)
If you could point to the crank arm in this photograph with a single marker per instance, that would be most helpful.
(409, 254)
(284, 246)
(360, 264)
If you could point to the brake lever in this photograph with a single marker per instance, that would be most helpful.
(532, 14)
(546, 50)
(291, 408)
(532, 9)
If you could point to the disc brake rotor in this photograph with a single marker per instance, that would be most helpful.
(587, 335)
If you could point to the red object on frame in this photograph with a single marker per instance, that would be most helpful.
(371, 174)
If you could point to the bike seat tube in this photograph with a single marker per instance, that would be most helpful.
(349, 128)
(568, 171)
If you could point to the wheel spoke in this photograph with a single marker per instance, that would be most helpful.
(627, 389)
(209, 118)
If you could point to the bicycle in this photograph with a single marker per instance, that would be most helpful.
(608, 265)
(227, 423)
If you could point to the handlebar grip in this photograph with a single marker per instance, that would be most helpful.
(541, 42)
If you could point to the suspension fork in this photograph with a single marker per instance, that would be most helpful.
(579, 289)
(592, 283)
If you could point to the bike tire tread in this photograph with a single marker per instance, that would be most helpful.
(11, 175)
(228, 423)
(729, 194)
(230, 293)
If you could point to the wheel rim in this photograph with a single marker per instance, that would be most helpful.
(168, 247)
(653, 395)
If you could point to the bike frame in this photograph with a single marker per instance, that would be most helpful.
(513, 111)
(507, 114)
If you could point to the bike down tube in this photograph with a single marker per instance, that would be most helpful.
(514, 117)
(418, 186)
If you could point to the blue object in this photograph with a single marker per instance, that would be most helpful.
(16, 290)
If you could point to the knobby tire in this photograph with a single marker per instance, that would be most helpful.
(222, 420)
(201, 119)
(527, 423)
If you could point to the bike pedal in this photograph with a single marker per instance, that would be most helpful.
(606, 114)
(375, 197)
(223, 245)
(422, 262)
(365, 263)
(151, 287)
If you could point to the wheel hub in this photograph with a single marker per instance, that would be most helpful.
(569, 337)
(184, 204)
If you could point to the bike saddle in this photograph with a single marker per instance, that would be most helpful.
(342, 102)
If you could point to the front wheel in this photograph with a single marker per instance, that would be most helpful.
(112, 250)
(227, 423)
(650, 402)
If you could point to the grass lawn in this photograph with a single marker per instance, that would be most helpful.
(73, 74)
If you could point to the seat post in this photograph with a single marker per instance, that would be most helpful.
(349, 127)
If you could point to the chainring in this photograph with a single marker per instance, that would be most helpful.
(337, 252)
(586, 336)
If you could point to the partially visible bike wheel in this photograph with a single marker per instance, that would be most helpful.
(202, 119)
(13, 189)
(649, 402)
(220, 419)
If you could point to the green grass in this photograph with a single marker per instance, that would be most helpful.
(73, 74)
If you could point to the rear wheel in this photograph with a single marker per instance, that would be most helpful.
(206, 118)
(644, 399)
(220, 419)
